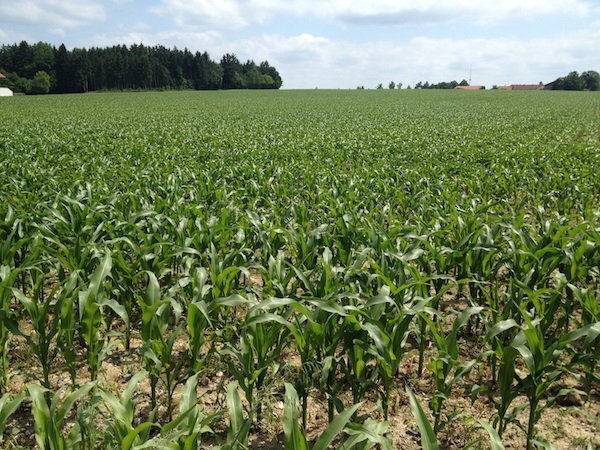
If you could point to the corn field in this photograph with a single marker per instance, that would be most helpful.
(300, 269)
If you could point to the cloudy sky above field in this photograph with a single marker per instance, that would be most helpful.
(337, 43)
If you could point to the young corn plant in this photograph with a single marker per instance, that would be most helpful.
(126, 433)
(590, 355)
(225, 271)
(445, 367)
(14, 241)
(253, 363)
(269, 240)
(94, 330)
(239, 427)
(66, 338)
(504, 375)
(44, 313)
(50, 416)
(587, 356)
(121, 410)
(157, 351)
(353, 436)
(277, 278)
(8, 278)
(325, 293)
(199, 312)
(185, 432)
(74, 229)
(495, 441)
(388, 330)
(542, 359)
(327, 334)
(305, 245)
(125, 266)
(300, 322)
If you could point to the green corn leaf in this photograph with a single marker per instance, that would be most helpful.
(428, 437)
(293, 437)
(129, 441)
(13, 326)
(153, 289)
(336, 426)
(495, 441)
(70, 399)
(267, 317)
(8, 405)
(127, 393)
(592, 333)
(367, 435)
(101, 272)
(500, 327)
(232, 300)
(41, 415)
(237, 434)
(381, 341)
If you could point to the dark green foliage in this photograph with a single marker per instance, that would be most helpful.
(589, 81)
(137, 67)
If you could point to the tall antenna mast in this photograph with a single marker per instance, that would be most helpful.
(470, 70)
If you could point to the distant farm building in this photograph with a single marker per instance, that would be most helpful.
(469, 88)
(4, 91)
(522, 87)
(528, 87)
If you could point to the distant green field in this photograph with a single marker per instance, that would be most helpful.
(390, 149)
(299, 237)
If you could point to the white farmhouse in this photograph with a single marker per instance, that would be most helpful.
(4, 91)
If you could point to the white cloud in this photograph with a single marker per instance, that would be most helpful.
(235, 14)
(332, 64)
(432, 11)
(54, 15)
(229, 14)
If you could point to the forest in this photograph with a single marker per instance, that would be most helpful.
(42, 68)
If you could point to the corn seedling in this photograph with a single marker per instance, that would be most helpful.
(186, 431)
(92, 303)
(445, 367)
(50, 416)
(359, 437)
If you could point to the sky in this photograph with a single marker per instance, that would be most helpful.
(338, 43)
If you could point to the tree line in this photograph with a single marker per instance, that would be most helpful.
(442, 85)
(426, 85)
(587, 81)
(42, 68)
